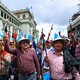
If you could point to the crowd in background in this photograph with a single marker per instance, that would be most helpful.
(47, 60)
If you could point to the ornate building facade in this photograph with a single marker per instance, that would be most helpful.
(18, 21)
(28, 24)
(8, 19)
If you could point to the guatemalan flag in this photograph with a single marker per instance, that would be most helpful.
(21, 34)
(56, 35)
(28, 36)
(1, 35)
(46, 76)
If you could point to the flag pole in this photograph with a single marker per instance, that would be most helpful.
(49, 36)
(49, 32)
(42, 50)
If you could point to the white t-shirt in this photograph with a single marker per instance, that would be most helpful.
(44, 54)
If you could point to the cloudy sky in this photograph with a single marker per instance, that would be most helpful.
(47, 13)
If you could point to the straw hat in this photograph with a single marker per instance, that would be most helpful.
(23, 39)
(58, 39)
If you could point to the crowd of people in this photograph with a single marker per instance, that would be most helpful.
(24, 60)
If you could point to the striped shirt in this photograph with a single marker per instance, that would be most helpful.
(77, 51)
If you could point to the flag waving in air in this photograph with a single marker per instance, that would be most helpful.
(14, 35)
(56, 35)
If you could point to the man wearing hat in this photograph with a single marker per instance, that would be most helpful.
(27, 62)
(5, 60)
(55, 60)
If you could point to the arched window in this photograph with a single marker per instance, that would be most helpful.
(1, 13)
(18, 16)
(4, 15)
(24, 16)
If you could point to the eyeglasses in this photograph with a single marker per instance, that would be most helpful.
(24, 42)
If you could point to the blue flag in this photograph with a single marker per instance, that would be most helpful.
(18, 38)
(2, 34)
(28, 36)
(56, 36)
(46, 76)
(21, 34)
(30, 8)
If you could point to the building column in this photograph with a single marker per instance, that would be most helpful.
(11, 28)
(0, 13)
(1, 26)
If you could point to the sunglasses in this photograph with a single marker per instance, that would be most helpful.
(24, 42)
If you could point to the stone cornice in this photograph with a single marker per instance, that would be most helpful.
(8, 11)
(23, 11)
